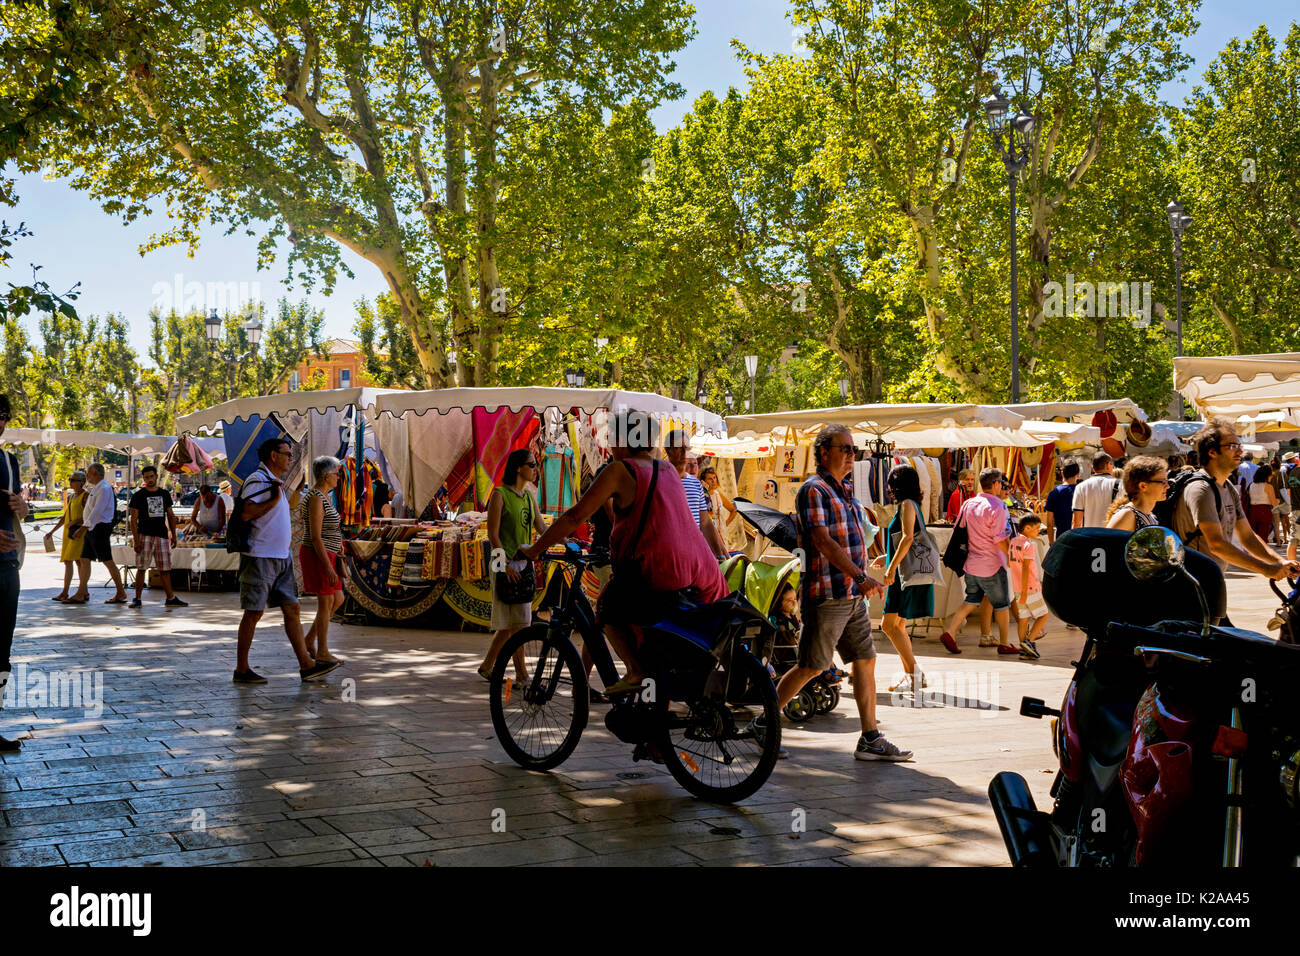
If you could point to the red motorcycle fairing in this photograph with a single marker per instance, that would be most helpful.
(1071, 744)
(1157, 772)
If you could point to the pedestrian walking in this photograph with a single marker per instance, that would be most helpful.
(835, 589)
(1145, 481)
(903, 603)
(100, 511)
(988, 526)
(320, 555)
(13, 509)
(1208, 511)
(513, 515)
(266, 569)
(1093, 497)
(1261, 499)
(1025, 571)
(1060, 502)
(73, 522)
(152, 527)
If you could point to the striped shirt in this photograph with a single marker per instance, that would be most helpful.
(695, 496)
(331, 534)
(826, 503)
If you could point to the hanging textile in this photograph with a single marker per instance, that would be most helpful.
(1045, 480)
(496, 435)
(862, 482)
(243, 437)
(353, 508)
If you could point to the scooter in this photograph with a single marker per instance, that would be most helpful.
(1178, 741)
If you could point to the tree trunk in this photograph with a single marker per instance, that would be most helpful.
(492, 302)
(1229, 323)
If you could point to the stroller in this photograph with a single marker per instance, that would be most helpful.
(762, 584)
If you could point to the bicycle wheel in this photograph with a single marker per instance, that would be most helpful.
(539, 721)
(705, 749)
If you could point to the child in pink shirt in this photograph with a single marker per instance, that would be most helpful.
(1026, 576)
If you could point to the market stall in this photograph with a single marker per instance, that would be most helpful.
(1229, 386)
(440, 452)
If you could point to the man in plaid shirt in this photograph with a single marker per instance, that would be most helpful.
(836, 588)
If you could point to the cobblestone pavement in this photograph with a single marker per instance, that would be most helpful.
(184, 768)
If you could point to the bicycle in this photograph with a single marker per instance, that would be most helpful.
(694, 710)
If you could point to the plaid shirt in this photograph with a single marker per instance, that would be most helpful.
(825, 502)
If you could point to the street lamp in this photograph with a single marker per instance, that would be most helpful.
(844, 389)
(571, 376)
(751, 369)
(729, 398)
(701, 396)
(1179, 221)
(1010, 133)
(580, 378)
(212, 329)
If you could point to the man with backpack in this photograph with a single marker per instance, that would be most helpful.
(266, 566)
(1204, 507)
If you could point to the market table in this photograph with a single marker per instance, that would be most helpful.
(193, 561)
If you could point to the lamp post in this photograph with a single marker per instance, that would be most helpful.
(1010, 133)
(751, 369)
(729, 399)
(212, 329)
(575, 377)
(1179, 221)
(844, 389)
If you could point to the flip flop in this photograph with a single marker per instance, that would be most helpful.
(59, 599)
(486, 677)
(73, 600)
(622, 686)
(116, 600)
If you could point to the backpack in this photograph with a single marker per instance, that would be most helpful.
(1165, 511)
(238, 528)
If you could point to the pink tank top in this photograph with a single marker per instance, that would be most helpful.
(672, 551)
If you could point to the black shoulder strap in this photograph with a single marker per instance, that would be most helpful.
(645, 509)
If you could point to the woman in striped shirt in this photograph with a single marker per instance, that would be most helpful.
(321, 554)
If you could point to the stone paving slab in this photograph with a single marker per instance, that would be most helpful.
(177, 766)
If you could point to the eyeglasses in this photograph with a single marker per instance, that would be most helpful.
(282, 451)
(1157, 481)
(1230, 444)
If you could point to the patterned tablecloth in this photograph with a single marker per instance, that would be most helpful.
(197, 560)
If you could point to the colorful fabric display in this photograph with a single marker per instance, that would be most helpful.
(395, 568)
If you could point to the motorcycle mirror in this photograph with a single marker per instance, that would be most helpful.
(1154, 554)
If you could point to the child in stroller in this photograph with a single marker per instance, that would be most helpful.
(773, 590)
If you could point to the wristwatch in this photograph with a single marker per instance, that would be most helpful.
(862, 576)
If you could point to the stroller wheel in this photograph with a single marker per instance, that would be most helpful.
(828, 698)
(802, 707)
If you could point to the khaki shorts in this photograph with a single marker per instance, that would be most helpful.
(509, 617)
(835, 624)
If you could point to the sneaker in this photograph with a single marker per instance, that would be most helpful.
(176, 602)
(249, 676)
(319, 669)
(136, 602)
(1029, 650)
(879, 749)
(757, 728)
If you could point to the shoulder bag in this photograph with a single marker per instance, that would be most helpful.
(522, 588)
(921, 565)
(954, 556)
(238, 528)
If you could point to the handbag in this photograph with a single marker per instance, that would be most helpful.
(954, 556)
(522, 588)
(920, 566)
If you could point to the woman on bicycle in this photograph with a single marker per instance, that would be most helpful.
(668, 559)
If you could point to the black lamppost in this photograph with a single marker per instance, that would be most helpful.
(212, 329)
(1011, 135)
(1179, 221)
(575, 377)
(729, 399)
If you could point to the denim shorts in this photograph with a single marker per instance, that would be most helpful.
(266, 582)
(994, 587)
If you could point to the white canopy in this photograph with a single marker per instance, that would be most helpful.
(588, 400)
(1125, 410)
(878, 420)
(73, 438)
(1232, 385)
(297, 402)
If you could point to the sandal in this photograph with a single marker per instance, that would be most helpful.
(988, 641)
(73, 600)
(60, 598)
(116, 600)
(623, 686)
(486, 677)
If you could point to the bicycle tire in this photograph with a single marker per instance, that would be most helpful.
(755, 675)
(509, 716)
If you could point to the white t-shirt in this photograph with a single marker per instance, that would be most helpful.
(270, 534)
(1093, 497)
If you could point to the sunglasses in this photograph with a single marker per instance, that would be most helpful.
(847, 449)
(1157, 481)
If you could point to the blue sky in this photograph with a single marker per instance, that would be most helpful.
(75, 241)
